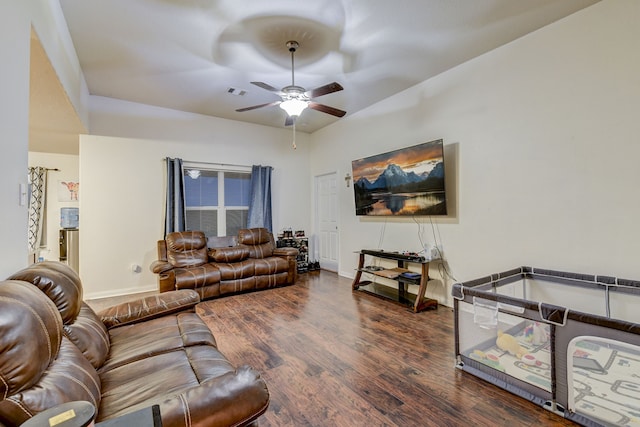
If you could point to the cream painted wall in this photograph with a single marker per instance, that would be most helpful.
(16, 20)
(123, 181)
(14, 109)
(69, 170)
(542, 153)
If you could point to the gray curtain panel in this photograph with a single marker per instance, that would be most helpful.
(38, 193)
(260, 197)
(175, 214)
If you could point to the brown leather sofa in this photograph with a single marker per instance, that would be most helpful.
(222, 266)
(155, 351)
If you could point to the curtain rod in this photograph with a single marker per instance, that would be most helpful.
(193, 162)
(215, 164)
(229, 165)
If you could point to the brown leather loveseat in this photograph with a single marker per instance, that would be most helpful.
(155, 351)
(221, 266)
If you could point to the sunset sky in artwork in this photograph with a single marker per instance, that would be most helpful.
(419, 159)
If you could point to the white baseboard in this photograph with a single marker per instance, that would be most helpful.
(120, 292)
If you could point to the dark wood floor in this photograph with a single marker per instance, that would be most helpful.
(332, 357)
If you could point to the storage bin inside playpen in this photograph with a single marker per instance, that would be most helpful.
(569, 342)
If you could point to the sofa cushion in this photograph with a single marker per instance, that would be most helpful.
(259, 241)
(26, 312)
(59, 282)
(271, 265)
(271, 280)
(62, 285)
(70, 377)
(187, 248)
(140, 340)
(237, 285)
(196, 277)
(194, 383)
(234, 254)
(90, 335)
(253, 236)
(235, 270)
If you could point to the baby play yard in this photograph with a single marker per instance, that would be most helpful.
(582, 365)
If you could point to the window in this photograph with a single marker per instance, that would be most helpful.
(217, 199)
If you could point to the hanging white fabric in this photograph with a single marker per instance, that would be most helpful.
(37, 197)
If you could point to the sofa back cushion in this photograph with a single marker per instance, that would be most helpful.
(259, 241)
(30, 335)
(82, 326)
(235, 254)
(186, 248)
(70, 377)
(59, 282)
(90, 335)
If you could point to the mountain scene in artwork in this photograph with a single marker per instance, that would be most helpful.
(408, 181)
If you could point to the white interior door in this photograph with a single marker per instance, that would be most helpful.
(327, 220)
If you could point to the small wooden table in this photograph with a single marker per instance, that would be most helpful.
(401, 296)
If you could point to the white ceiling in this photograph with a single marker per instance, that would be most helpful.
(187, 54)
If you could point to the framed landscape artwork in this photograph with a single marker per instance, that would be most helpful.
(408, 181)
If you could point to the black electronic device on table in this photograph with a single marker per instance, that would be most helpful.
(394, 255)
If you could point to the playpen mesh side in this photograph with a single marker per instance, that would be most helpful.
(605, 391)
(514, 289)
(478, 355)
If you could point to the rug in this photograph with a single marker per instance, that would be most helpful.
(604, 374)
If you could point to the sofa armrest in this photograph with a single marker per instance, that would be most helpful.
(210, 402)
(149, 307)
(291, 256)
(160, 266)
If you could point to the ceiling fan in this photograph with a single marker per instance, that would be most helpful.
(296, 99)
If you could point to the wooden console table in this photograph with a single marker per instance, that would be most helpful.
(401, 296)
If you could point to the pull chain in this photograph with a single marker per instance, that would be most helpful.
(294, 133)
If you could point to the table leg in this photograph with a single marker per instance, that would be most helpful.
(422, 302)
(356, 281)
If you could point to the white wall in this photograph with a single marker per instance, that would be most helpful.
(542, 152)
(69, 170)
(16, 19)
(14, 107)
(122, 176)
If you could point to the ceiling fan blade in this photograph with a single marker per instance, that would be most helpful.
(326, 109)
(324, 90)
(266, 87)
(289, 121)
(269, 104)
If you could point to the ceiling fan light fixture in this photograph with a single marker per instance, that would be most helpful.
(295, 99)
(294, 107)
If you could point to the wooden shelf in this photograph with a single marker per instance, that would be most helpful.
(394, 274)
(387, 292)
(400, 295)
